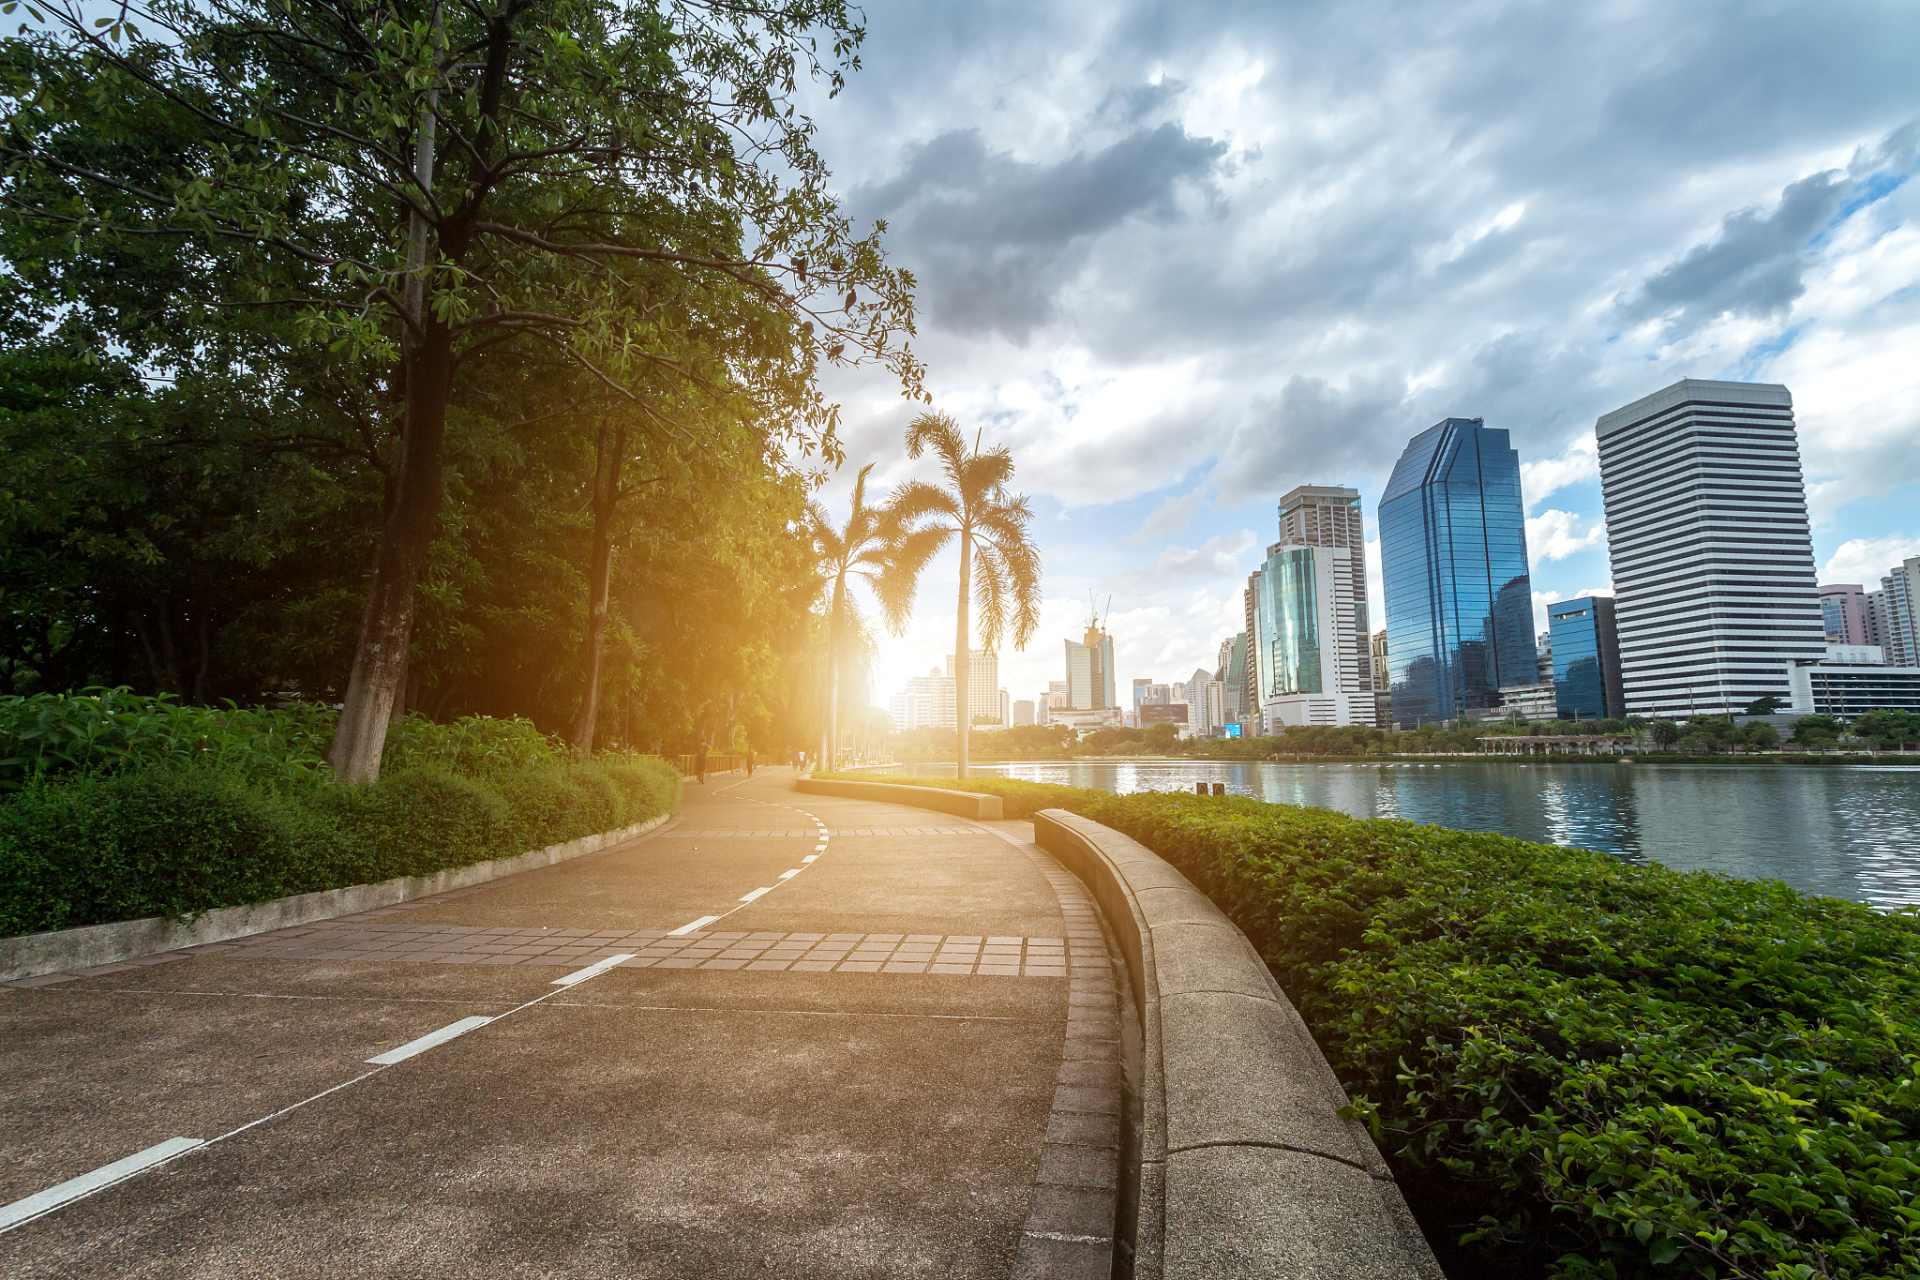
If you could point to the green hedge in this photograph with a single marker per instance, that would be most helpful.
(1017, 799)
(177, 841)
(1582, 1067)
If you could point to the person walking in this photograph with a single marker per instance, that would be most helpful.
(749, 762)
(700, 763)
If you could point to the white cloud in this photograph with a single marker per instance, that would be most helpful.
(1555, 535)
(1866, 560)
(1541, 599)
(1577, 462)
(1171, 518)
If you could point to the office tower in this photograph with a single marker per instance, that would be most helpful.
(1090, 671)
(1308, 658)
(1233, 668)
(1453, 548)
(1712, 557)
(1382, 684)
(1873, 621)
(1139, 691)
(1585, 653)
(1022, 713)
(983, 686)
(1899, 624)
(1842, 613)
(926, 703)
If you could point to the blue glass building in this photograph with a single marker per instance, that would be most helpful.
(1453, 550)
(1586, 660)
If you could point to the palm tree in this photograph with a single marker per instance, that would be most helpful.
(999, 563)
(873, 545)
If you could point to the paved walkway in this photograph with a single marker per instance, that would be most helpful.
(783, 1035)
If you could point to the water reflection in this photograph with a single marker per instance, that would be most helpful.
(1851, 831)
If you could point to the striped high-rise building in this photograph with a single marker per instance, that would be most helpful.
(1712, 554)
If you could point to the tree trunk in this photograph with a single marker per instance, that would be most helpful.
(828, 757)
(606, 499)
(386, 627)
(962, 653)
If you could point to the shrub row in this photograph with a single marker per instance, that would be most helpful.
(174, 841)
(1017, 799)
(1584, 1068)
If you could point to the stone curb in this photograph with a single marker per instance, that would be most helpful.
(967, 804)
(33, 954)
(1237, 1163)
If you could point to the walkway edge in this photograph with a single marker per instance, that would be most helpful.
(1237, 1163)
(966, 804)
(33, 954)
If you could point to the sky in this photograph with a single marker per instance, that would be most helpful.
(1182, 258)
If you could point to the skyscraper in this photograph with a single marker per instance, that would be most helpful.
(1899, 622)
(1090, 701)
(1842, 613)
(1307, 654)
(983, 686)
(1712, 555)
(1586, 660)
(1453, 549)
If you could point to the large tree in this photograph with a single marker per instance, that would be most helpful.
(419, 185)
(999, 562)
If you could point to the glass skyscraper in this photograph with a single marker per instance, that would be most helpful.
(1586, 660)
(1453, 550)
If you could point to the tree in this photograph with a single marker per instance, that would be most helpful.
(1889, 726)
(1816, 732)
(1770, 704)
(1760, 735)
(421, 185)
(1160, 737)
(1664, 733)
(873, 546)
(990, 525)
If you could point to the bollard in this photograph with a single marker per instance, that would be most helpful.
(1219, 788)
(1199, 788)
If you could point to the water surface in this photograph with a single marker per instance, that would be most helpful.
(1852, 831)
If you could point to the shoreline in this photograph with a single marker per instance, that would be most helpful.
(1838, 759)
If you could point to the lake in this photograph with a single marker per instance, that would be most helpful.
(1852, 831)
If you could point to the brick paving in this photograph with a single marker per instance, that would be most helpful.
(954, 955)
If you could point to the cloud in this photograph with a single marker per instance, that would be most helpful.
(1555, 535)
(1867, 560)
(1216, 558)
(1754, 268)
(995, 238)
(1311, 433)
(1577, 463)
(1171, 518)
(1541, 600)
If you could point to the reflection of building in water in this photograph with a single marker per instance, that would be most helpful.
(1453, 547)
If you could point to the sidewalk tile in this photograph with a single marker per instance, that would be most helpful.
(1063, 1166)
(1081, 1130)
(899, 967)
(858, 966)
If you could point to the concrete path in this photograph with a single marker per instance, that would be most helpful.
(847, 1039)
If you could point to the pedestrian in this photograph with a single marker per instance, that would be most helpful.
(749, 762)
(700, 763)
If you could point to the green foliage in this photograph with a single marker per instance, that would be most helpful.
(1626, 1071)
(1889, 727)
(110, 730)
(172, 832)
(1818, 732)
(1771, 704)
(1017, 799)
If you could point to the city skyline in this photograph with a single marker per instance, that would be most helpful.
(1122, 273)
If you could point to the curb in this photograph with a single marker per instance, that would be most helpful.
(965, 804)
(1237, 1163)
(33, 954)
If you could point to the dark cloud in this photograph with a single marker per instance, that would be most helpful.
(1754, 268)
(993, 239)
(1315, 433)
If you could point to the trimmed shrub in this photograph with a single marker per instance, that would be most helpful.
(1017, 799)
(91, 850)
(1584, 1068)
(145, 844)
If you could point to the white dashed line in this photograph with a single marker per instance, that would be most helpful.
(788, 875)
(593, 970)
(749, 897)
(810, 857)
(87, 1183)
(690, 926)
(428, 1041)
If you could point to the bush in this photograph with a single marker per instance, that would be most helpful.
(1017, 799)
(1581, 1067)
(144, 844)
(173, 843)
